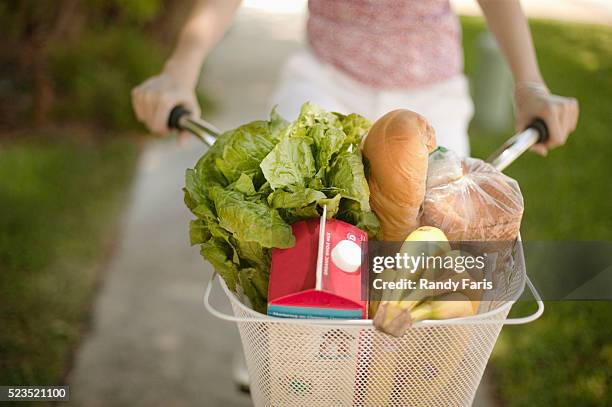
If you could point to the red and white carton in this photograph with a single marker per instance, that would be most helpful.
(321, 276)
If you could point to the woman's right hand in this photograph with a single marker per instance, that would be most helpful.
(153, 100)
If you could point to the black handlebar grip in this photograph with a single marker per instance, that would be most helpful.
(175, 115)
(540, 126)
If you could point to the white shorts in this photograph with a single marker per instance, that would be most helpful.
(446, 105)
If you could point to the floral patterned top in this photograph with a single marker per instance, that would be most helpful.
(387, 44)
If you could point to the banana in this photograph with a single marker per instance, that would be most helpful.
(453, 305)
(392, 314)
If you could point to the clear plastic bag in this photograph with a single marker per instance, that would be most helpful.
(470, 200)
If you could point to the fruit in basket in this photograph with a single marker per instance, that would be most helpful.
(397, 148)
(447, 306)
(425, 239)
(434, 359)
(392, 314)
(386, 367)
(451, 281)
(429, 234)
(258, 179)
(395, 317)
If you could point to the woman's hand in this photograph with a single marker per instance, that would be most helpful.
(533, 100)
(154, 99)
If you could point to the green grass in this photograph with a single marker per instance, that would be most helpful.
(564, 358)
(60, 202)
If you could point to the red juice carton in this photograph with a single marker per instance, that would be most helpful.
(321, 276)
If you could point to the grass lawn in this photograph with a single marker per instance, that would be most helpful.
(60, 202)
(564, 358)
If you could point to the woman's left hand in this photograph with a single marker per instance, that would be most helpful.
(534, 101)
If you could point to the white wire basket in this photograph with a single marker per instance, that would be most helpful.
(296, 362)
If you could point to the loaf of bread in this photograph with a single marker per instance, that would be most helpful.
(396, 149)
(480, 203)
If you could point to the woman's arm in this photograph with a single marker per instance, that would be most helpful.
(508, 24)
(208, 22)
(175, 85)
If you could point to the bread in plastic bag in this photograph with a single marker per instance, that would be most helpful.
(470, 200)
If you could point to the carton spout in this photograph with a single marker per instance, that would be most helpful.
(319, 271)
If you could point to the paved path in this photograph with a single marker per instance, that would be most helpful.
(151, 342)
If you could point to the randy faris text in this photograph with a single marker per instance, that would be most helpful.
(425, 284)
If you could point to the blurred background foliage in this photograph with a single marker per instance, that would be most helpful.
(67, 156)
(61, 203)
(76, 61)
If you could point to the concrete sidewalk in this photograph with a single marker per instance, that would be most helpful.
(152, 343)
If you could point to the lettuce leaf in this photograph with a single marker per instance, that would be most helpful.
(365, 220)
(254, 255)
(278, 125)
(355, 127)
(347, 176)
(327, 143)
(245, 148)
(290, 163)
(198, 232)
(301, 197)
(255, 287)
(251, 221)
(216, 252)
(244, 184)
(311, 115)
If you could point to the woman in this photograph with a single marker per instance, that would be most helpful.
(369, 57)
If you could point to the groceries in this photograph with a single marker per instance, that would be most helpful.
(319, 277)
(260, 190)
(470, 200)
(396, 149)
(258, 179)
(466, 199)
(398, 310)
(261, 195)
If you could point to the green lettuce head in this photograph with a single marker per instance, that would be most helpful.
(259, 178)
